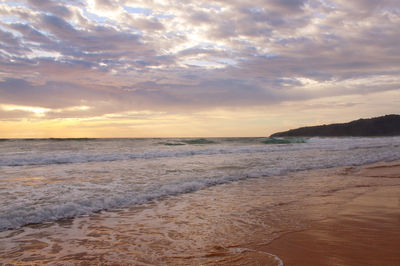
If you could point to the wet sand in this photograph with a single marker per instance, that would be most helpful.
(340, 216)
(366, 231)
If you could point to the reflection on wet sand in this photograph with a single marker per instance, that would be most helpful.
(230, 224)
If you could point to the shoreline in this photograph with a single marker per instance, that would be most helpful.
(332, 216)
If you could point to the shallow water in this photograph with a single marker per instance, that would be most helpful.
(173, 201)
(220, 225)
(49, 179)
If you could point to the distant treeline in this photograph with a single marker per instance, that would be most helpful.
(388, 125)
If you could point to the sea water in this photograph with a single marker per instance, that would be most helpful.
(44, 180)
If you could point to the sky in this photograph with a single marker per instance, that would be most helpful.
(194, 68)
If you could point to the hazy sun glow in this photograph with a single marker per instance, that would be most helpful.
(38, 111)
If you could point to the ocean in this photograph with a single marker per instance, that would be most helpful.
(48, 179)
(171, 201)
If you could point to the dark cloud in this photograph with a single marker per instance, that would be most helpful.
(8, 38)
(53, 7)
(289, 5)
(49, 95)
(106, 4)
(30, 33)
(15, 115)
(200, 17)
(58, 26)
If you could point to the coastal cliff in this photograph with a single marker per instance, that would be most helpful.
(388, 125)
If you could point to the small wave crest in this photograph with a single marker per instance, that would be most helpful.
(199, 141)
(17, 217)
(171, 143)
(81, 157)
(284, 140)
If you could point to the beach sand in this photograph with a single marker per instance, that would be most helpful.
(365, 231)
(338, 216)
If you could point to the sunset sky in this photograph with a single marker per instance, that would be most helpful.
(160, 68)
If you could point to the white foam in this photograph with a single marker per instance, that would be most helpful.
(17, 216)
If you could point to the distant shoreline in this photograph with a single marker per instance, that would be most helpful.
(383, 126)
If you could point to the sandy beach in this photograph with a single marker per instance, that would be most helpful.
(364, 231)
(338, 216)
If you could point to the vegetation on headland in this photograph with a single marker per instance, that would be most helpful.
(388, 125)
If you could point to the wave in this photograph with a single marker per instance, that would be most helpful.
(79, 205)
(284, 140)
(17, 217)
(203, 141)
(68, 158)
(73, 139)
(179, 149)
(171, 143)
(199, 141)
(82, 197)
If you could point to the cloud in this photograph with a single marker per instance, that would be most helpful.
(120, 56)
(15, 115)
(50, 6)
